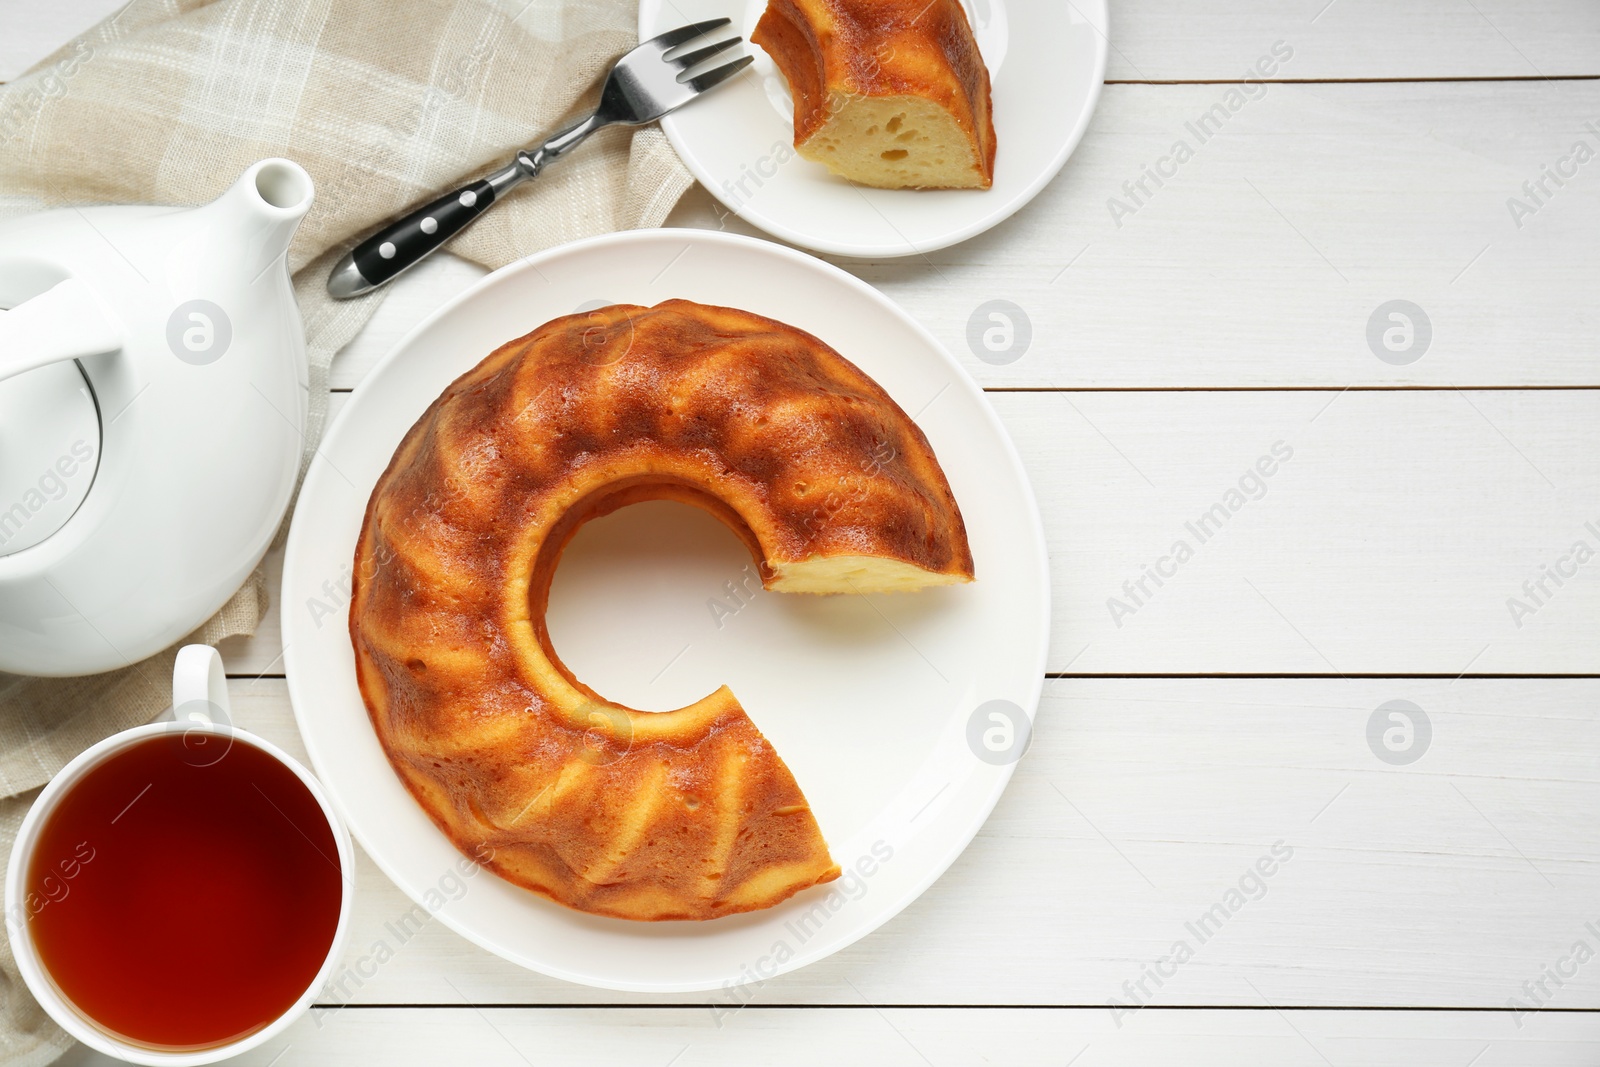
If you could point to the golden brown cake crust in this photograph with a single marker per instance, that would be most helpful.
(834, 50)
(687, 814)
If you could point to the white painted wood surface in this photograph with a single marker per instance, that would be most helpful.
(899, 1037)
(1234, 300)
(1155, 40)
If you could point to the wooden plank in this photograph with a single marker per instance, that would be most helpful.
(1146, 805)
(900, 1037)
(1158, 39)
(1266, 258)
(1396, 538)
(1201, 39)
(1262, 259)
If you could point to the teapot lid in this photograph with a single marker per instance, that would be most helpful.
(49, 451)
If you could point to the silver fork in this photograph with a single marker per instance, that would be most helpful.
(643, 86)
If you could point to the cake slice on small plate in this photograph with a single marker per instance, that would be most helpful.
(888, 93)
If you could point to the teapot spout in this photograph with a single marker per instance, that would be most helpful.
(258, 215)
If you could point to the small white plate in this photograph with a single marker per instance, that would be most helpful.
(870, 701)
(1046, 59)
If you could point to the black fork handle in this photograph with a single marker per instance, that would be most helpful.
(411, 238)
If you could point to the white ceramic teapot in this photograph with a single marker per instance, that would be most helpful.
(152, 412)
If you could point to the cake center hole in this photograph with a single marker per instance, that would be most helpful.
(640, 599)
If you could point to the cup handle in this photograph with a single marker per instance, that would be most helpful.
(199, 687)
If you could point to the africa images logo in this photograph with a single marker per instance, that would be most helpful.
(1139, 191)
(852, 885)
(51, 485)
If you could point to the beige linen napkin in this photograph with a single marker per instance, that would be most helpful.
(384, 102)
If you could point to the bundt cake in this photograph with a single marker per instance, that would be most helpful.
(686, 814)
(891, 93)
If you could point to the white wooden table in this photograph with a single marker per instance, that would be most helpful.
(1225, 713)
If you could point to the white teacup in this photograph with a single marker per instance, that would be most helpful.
(200, 712)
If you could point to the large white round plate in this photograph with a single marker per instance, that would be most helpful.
(868, 699)
(1046, 59)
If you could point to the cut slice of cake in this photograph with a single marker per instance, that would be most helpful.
(889, 93)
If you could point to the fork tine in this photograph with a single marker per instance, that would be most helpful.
(689, 59)
(712, 78)
(673, 38)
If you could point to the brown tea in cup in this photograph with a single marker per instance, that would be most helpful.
(185, 892)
